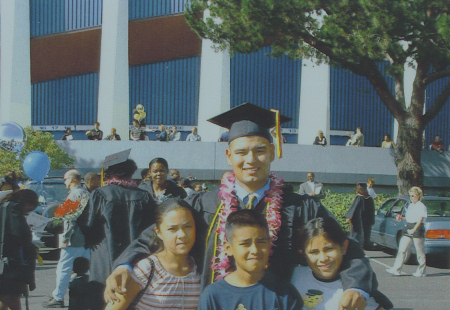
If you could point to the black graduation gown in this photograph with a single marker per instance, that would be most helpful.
(362, 215)
(296, 211)
(172, 190)
(115, 217)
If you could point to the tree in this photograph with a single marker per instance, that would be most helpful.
(354, 34)
(36, 141)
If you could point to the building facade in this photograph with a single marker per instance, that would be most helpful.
(70, 63)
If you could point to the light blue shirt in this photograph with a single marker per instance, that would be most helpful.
(242, 194)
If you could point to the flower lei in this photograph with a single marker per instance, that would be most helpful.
(126, 183)
(72, 208)
(220, 262)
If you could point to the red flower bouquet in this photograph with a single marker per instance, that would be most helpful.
(68, 207)
(72, 208)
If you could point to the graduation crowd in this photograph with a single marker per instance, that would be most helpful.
(250, 244)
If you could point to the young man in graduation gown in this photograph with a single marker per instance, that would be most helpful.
(116, 215)
(252, 185)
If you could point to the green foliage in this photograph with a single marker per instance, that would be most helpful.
(339, 203)
(36, 141)
(347, 32)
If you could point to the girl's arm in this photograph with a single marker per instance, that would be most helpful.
(126, 298)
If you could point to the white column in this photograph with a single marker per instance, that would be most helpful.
(15, 98)
(314, 102)
(214, 97)
(113, 97)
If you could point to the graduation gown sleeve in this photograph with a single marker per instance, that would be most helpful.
(138, 248)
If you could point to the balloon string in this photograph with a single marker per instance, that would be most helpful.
(44, 211)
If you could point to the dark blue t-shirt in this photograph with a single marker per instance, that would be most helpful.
(267, 294)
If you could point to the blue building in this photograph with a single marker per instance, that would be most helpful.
(94, 60)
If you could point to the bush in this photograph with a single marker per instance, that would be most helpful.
(36, 141)
(339, 203)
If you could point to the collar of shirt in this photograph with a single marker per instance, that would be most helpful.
(75, 187)
(242, 194)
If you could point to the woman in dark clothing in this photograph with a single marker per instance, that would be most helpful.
(159, 187)
(361, 215)
(17, 247)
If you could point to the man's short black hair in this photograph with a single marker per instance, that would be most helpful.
(244, 218)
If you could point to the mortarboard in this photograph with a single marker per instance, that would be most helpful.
(249, 119)
(114, 159)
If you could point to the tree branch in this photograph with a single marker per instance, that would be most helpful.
(381, 87)
(366, 68)
(435, 76)
(438, 105)
(326, 50)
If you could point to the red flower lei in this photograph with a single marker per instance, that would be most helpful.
(220, 262)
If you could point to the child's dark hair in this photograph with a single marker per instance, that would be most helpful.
(159, 160)
(321, 226)
(244, 218)
(81, 265)
(161, 210)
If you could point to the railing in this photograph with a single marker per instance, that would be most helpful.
(207, 160)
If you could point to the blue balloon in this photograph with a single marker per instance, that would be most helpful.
(36, 165)
(12, 137)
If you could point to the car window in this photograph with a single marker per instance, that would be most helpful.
(438, 207)
(398, 207)
(50, 192)
(386, 206)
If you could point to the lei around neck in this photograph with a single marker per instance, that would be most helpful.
(229, 203)
(120, 182)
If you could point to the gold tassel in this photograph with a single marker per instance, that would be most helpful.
(278, 133)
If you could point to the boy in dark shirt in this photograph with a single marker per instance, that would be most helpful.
(78, 287)
(249, 286)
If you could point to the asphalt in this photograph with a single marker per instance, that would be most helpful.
(406, 292)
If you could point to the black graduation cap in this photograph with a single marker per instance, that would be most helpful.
(249, 119)
(112, 160)
(116, 158)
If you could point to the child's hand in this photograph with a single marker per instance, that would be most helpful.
(116, 282)
(352, 300)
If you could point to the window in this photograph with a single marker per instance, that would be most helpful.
(386, 206)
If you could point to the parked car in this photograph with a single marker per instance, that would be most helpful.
(52, 192)
(387, 230)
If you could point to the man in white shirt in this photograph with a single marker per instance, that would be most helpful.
(175, 135)
(73, 241)
(370, 190)
(312, 188)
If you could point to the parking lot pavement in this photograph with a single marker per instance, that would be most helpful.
(410, 293)
(45, 284)
(405, 291)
